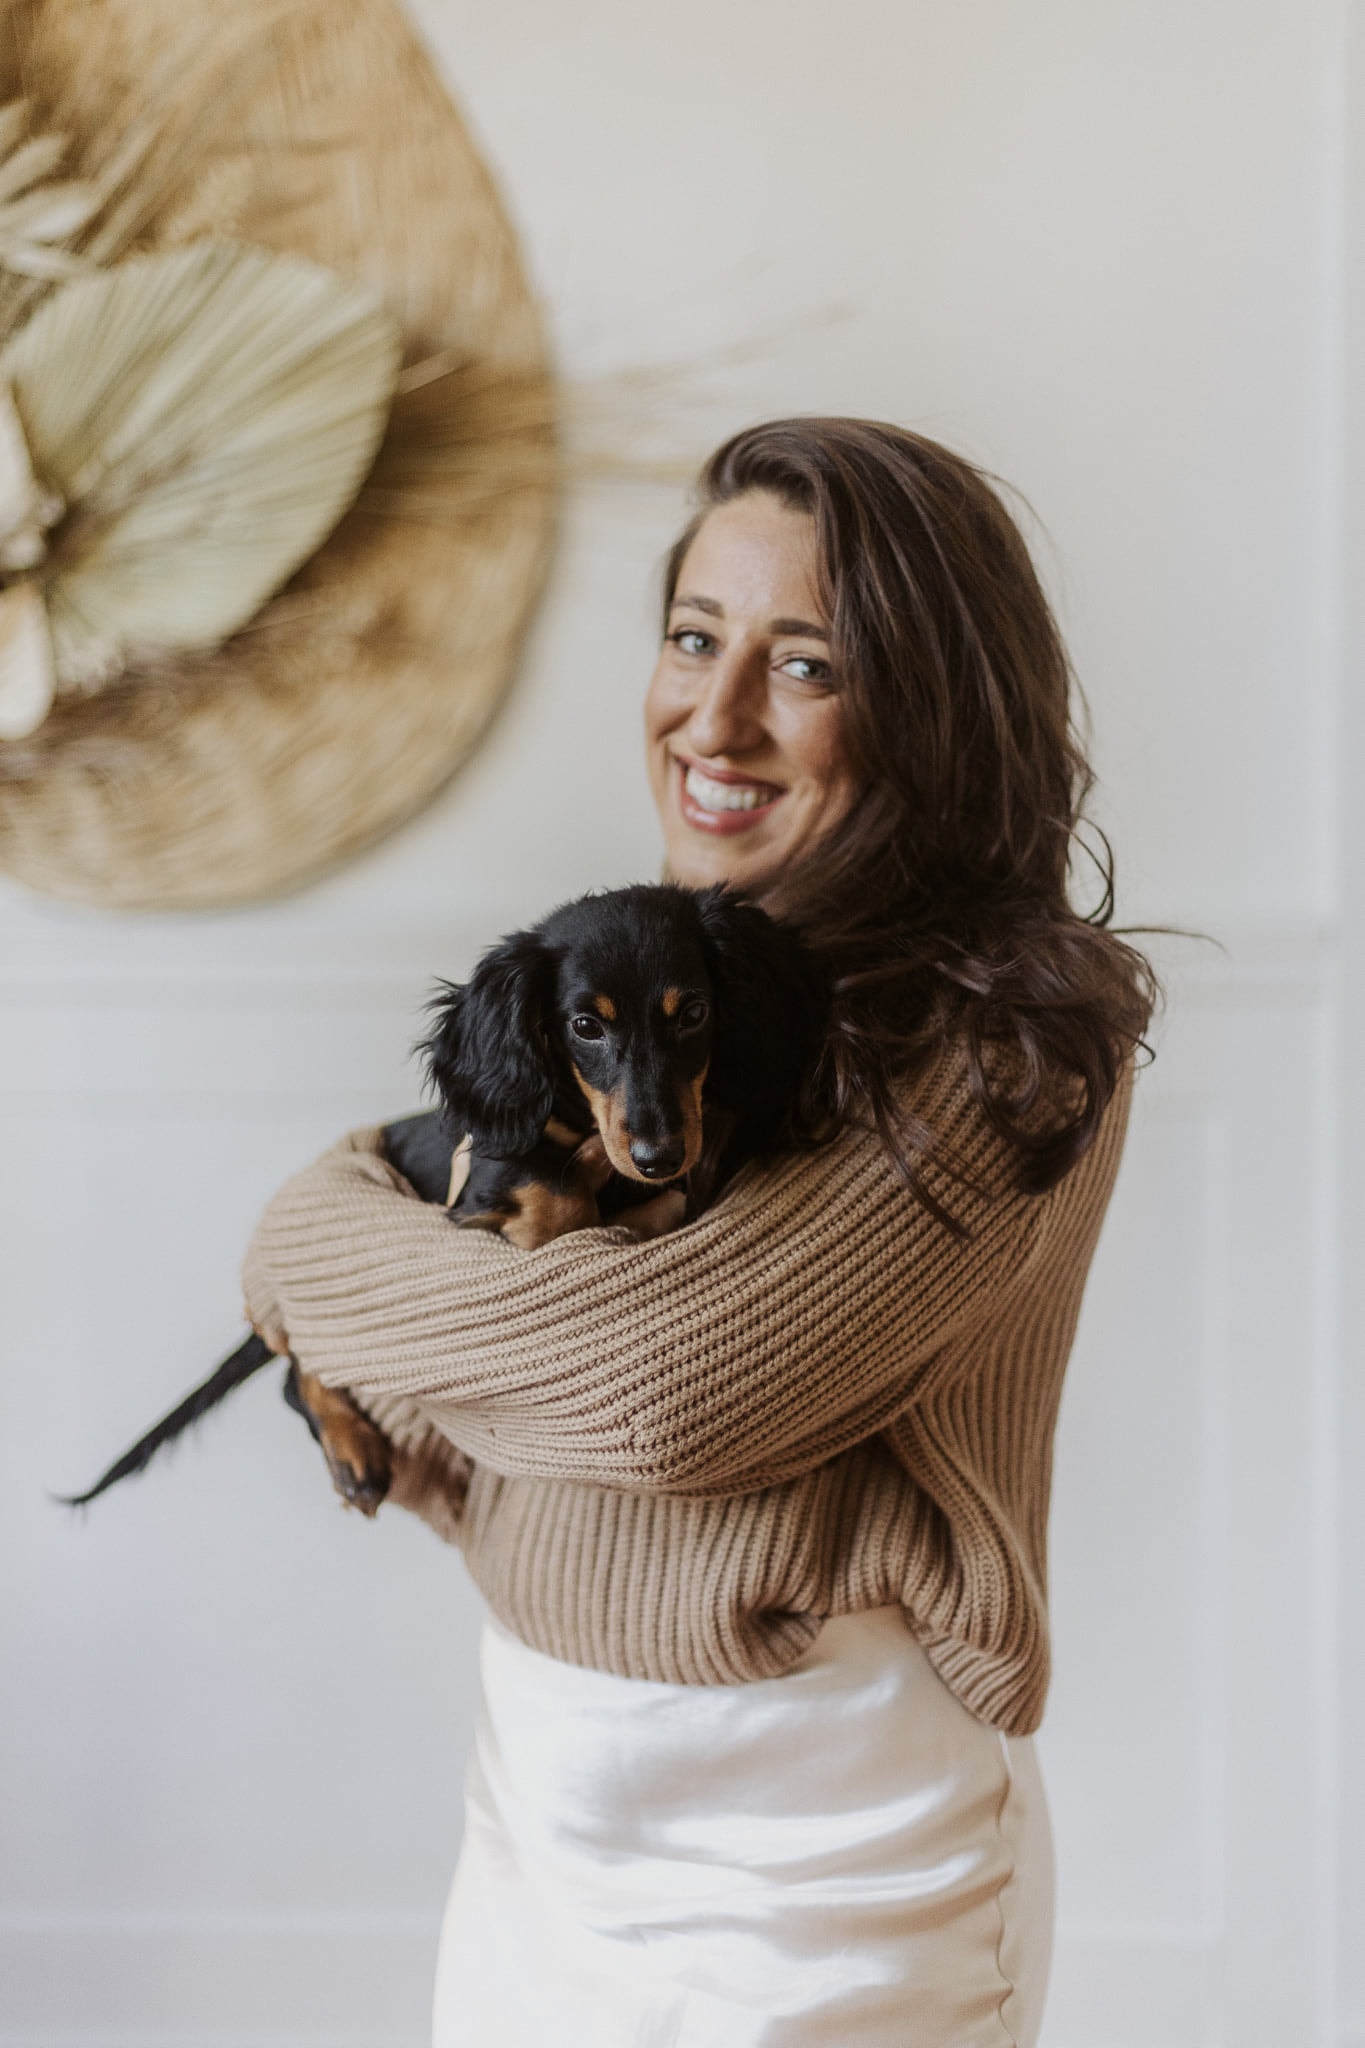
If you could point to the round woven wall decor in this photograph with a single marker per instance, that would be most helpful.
(316, 127)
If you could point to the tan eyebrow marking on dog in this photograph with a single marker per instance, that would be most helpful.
(605, 1007)
(560, 1133)
(672, 1001)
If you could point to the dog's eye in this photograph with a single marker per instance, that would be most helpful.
(586, 1027)
(693, 1015)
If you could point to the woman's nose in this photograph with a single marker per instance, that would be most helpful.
(727, 716)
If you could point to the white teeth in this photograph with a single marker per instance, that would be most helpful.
(723, 796)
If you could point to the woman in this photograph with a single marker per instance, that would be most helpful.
(759, 1507)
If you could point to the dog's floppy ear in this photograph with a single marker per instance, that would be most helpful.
(488, 1054)
(772, 1007)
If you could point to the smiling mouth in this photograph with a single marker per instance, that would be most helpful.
(723, 802)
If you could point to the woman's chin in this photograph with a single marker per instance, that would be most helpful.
(700, 860)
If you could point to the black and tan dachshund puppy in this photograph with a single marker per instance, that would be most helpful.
(633, 1047)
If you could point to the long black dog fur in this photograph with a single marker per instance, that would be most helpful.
(247, 1359)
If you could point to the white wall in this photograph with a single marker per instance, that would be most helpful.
(1100, 247)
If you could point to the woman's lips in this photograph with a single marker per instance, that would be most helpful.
(722, 801)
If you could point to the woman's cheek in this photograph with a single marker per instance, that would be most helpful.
(666, 700)
(814, 744)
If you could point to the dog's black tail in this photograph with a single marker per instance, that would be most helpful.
(245, 1360)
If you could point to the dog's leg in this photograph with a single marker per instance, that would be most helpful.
(542, 1196)
(543, 1213)
(357, 1453)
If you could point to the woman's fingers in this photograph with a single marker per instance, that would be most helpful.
(654, 1218)
(591, 1164)
(430, 1480)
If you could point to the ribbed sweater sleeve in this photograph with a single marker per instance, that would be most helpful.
(791, 1321)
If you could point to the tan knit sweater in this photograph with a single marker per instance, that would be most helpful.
(687, 1452)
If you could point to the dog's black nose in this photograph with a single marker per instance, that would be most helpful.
(657, 1161)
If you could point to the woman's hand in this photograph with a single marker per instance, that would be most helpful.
(656, 1217)
(430, 1478)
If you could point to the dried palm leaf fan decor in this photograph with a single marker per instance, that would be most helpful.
(200, 419)
(276, 442)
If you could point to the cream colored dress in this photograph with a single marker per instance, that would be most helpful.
(843, 1857)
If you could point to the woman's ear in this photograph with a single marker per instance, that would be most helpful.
(488, 1053)
(771, 1009)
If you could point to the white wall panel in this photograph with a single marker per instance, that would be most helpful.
(1185, 1730)
(1343, 1780)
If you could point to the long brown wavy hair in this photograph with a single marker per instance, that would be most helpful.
(941, 903)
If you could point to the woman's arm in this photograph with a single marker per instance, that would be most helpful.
(793, 1319)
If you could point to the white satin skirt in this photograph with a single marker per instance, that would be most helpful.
(842, 1857)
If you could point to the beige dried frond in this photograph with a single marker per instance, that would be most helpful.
(27, 682)
(36, 215)
(206, 415)
(26, 510)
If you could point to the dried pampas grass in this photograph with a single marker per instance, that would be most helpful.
(317, 129)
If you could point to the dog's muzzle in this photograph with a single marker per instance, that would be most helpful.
(660, 1160)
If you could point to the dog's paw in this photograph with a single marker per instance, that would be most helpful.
(359, 1490)
(360, 1468)
(358, 1455)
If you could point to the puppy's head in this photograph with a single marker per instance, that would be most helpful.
(617, 1012)
(599, 1017)
(635, 1008)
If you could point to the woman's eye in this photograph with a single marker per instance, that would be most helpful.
(586, 1027)
(688, 640)
(693, 1015)
(807, 668)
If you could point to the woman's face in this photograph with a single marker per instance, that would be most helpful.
(743, 723)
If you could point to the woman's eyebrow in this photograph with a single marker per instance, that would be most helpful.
(802, 629)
